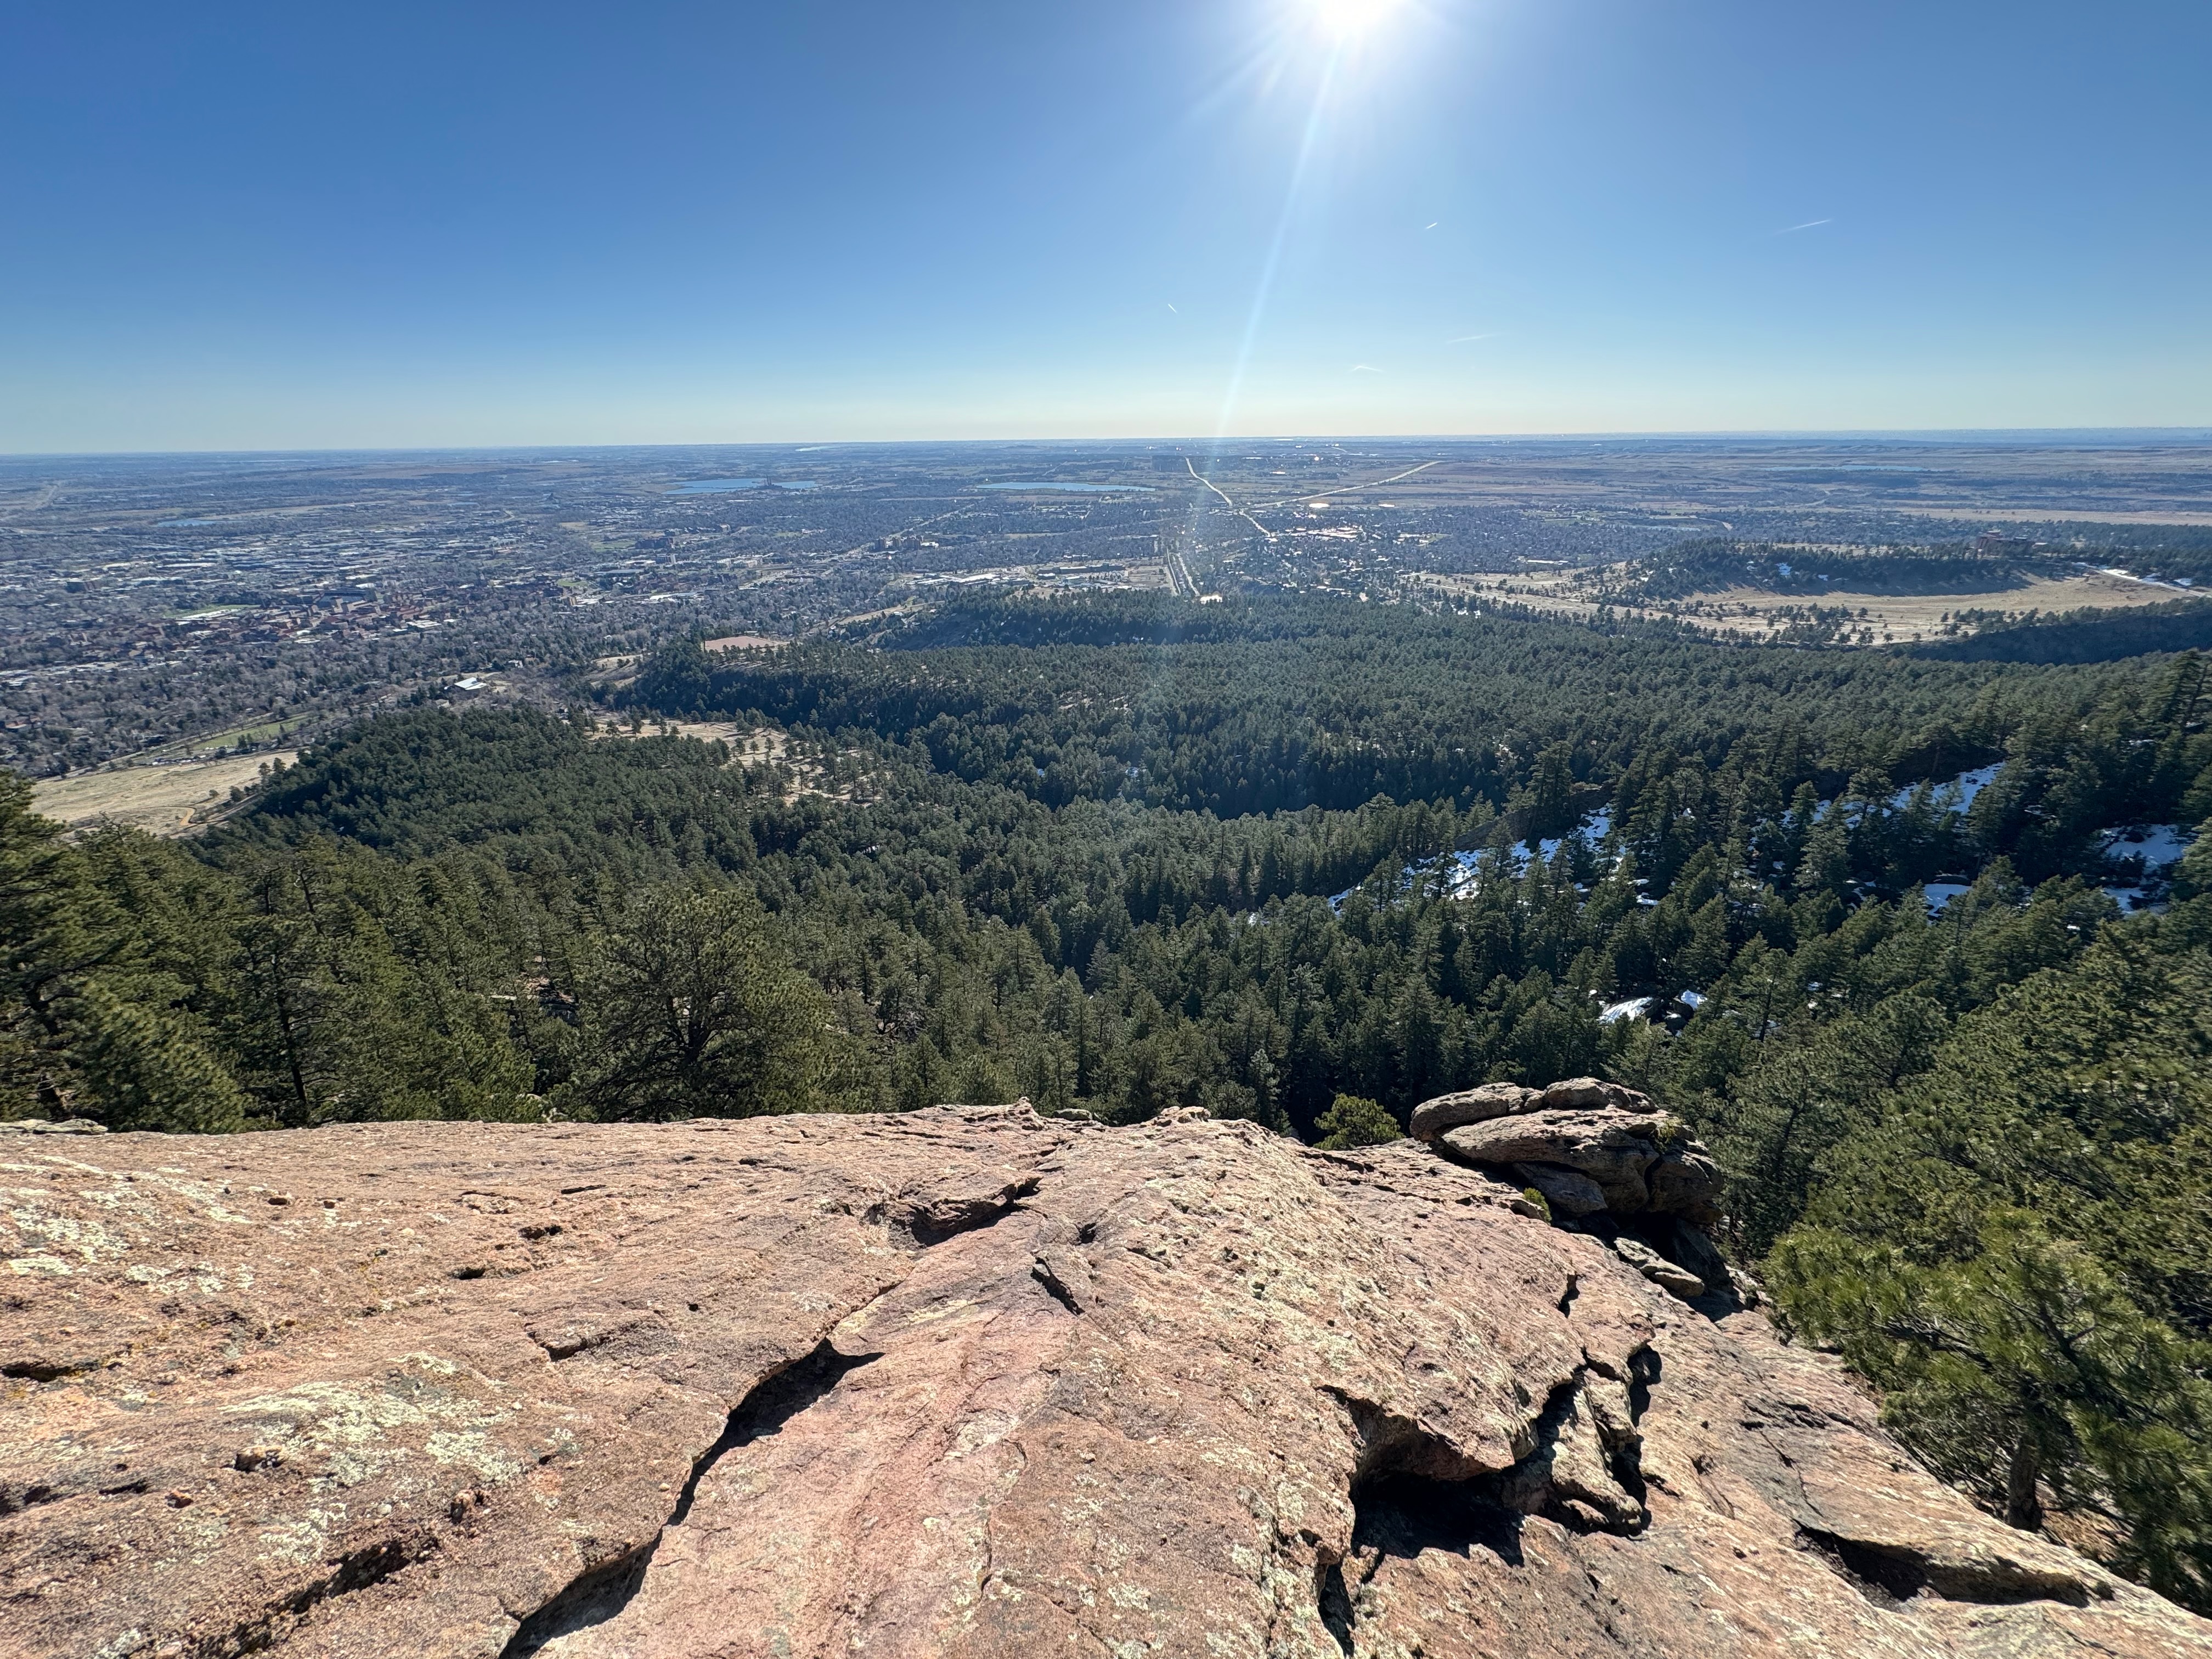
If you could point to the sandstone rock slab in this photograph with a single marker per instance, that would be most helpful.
(1668, 1276)
(1432, 1117)
(1569, 1192)
(964, 1382)
(1644, 1163)
(1589, 1092)
(1612, 1149)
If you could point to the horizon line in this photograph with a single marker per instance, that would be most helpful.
(2170, 432)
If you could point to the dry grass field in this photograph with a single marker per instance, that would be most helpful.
(753, 745)
(165, 800)
(744, 642)
(1752, 613)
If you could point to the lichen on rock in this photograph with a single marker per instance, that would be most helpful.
(966, 1381)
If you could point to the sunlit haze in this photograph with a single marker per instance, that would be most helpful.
(245, 225)
(1346, 19)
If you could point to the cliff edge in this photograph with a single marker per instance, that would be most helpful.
(964, 1381)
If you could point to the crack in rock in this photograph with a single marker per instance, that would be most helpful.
(1585, 1470)
(600, 1594)
(1065, 1277)
(931, 1218)
(1410, 1491)
(1890, 1575)
(357, 1570)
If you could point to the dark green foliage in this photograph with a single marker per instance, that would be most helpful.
(2018, 1247)
(1551, 808)
(689, 1009)
(1710, 566)
(2082, 636)
(90, 1024)
(2168, 551)
(1280, 704)
(1354, 1120)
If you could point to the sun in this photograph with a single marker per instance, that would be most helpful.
(1348, 20)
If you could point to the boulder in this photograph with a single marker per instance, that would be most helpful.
(1575, 1092)
(1683, 1241)
(1644, 1162)
(1612, 1148)
(962, 1381)
(1685, 1181)
(1667, 1275)
(1432, 1117)
(41, 1125)
(1569, 1192)
(1589, 1091)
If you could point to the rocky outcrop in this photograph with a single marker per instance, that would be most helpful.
(1627, 1164)
(962, 1382)
(1605, 1160)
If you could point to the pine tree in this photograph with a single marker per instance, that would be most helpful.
(1354, 1120)
(2019, 1252)
(88, 1026)
(690, 1009)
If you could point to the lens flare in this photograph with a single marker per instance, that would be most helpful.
(1347, 20)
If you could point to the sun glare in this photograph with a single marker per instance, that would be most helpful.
(1347, 20)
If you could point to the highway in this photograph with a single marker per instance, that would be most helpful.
(1346, 489)
(1233, 505)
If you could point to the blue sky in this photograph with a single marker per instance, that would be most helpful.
(229, 226)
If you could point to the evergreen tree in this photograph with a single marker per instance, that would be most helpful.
(89, 1027)
(2019, 1253)
(689, 1009)
(1354, 1120)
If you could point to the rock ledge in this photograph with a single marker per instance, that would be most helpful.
(962, 1381)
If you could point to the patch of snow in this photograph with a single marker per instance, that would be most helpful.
(1955, 796)
(2157, 845)
(2148, 582)
(1634, 1008)
(2132, 899)
(1941, 893)
(1456, 874)
(1693, 1000)
(1599, 826)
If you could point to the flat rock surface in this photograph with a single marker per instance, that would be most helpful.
(961, 1381)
